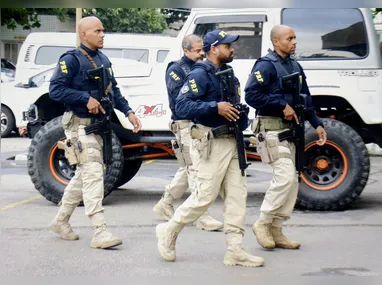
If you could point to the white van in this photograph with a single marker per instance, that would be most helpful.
(42, 49)
(339, 51)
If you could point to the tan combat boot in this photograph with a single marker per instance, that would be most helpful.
(282, 241)
(207, 223)
(60, 224)
(236, 255)
(167, 234)
(164, 207)
(102, 238)
(263, 234)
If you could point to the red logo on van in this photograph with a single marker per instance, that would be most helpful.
(148, 110)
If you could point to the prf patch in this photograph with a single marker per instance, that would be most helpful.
(63, 67)
(193, 86)
(259, 77)
(174, 76)
(238, 91)
(110, 71)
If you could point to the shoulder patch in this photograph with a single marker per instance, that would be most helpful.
(193, 86)
(174, 76)
(64, 69)
(185, 89)
(258, 76)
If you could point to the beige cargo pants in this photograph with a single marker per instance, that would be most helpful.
(86, 151)
(219, 172)
(281, 196)
(185, 177)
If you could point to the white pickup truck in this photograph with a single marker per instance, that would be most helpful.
(133, 54)
(339, 51)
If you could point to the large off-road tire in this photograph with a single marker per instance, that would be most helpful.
(130, 168)
(336, 173)
(7, 121)
(49, 169)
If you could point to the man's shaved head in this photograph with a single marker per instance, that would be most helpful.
(90, 30)
(279, 30)
(87, 23)
(284, 40)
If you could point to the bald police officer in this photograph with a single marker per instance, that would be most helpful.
(185, 177)
(205, 99)
(274, 115)
(71, 86)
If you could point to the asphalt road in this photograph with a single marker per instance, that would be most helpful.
(342, 243)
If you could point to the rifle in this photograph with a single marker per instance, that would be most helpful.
(297, 133)
(227, 77)
(102, 125)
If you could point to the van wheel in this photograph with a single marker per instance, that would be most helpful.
(7, 121)
(49, 170)
(335, 174)
(130, 169)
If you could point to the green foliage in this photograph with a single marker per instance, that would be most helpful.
(175, 14)
(121, 20)
(376, 11)
(28, 17)
(129, 20)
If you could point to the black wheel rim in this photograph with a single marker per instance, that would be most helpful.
(325, 166)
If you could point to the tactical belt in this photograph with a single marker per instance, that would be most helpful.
(222, 131)
(199, 132)
(182, 124)
(287, 135)
(81, 121)
(272, 124)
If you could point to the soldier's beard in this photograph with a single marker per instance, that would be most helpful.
(227, 59)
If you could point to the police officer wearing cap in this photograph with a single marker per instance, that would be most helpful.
(274, 115)
(185, 177)
(203, 98)
(71, 86)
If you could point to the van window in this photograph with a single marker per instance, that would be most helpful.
(249, 30)
(327, 33)
(141, 55)
(161, 55)
(50, 54)
(111, 52)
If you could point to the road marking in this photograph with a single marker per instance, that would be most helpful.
(13, 205)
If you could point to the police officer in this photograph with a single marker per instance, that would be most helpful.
(71, 86)
(275, 114)
(185, 177)
(204, 98)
